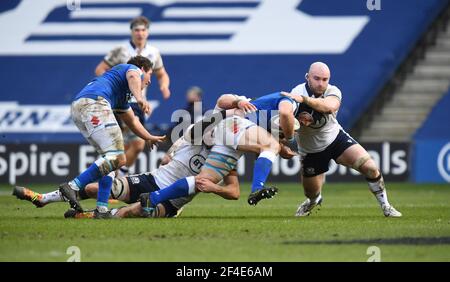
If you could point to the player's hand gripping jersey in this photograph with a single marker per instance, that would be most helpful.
(323, 128)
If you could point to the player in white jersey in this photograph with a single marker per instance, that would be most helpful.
(186, 160)
(321, 139)
(230, 135)
(138, 45)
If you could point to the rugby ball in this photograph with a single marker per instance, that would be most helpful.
(276, 129)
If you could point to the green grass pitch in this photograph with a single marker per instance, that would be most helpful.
(213, 229)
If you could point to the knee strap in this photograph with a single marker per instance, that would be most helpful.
(359, 162)
(108, 163)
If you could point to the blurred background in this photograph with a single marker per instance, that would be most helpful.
(391, 59)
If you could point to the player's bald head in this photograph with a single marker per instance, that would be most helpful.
(320, 69)
(318, 77)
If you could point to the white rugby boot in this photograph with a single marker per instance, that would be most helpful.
(390, 211)
(305, 208)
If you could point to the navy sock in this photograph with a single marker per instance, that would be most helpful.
(178, 189)
(82, 194)
(261, 171)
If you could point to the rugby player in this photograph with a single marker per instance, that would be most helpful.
(137, 45)
(92, 112)
(185, 160)
(321, 138)
(267, 109)
(230, 137)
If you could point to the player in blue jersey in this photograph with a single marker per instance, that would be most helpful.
(92, 112)
(137, 45)
(268, 107)
(229, 136)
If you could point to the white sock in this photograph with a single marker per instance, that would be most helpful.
(378, 189)
(52, 197)
(102, 209)
(315, 198)
(191, 182)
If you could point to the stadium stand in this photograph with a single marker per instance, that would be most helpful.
(410, 95)
(218, 72)
(431, 146)
(403, 48)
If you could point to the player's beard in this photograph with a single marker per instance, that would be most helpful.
(316, 91)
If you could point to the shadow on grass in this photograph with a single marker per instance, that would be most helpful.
(384, 241)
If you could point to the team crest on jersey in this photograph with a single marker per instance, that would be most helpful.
(311, 118)
(196, 163)
(135, 180)
(310, 170)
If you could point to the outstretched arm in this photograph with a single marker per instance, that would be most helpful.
(232, 101)
(101, 68)
(134, 84)
(135, 125)
(328, 105)
(286, 118)
(164, 82)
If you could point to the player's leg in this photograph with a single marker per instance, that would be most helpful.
(89, 192)
(40, 200)
(312, 187)
(120, 190)
(37, 199)
(313, 169)
(135, 210)
(96, 122)
(134, 145)
(357, 158)
(130, 211)
(258, 140)
(219, 163)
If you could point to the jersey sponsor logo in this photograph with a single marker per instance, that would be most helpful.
(178, 27)
(95, 121)
(196, 162)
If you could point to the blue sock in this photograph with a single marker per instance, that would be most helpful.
(91, 174)
(179, 188)
(104, 189)
(261, 171)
